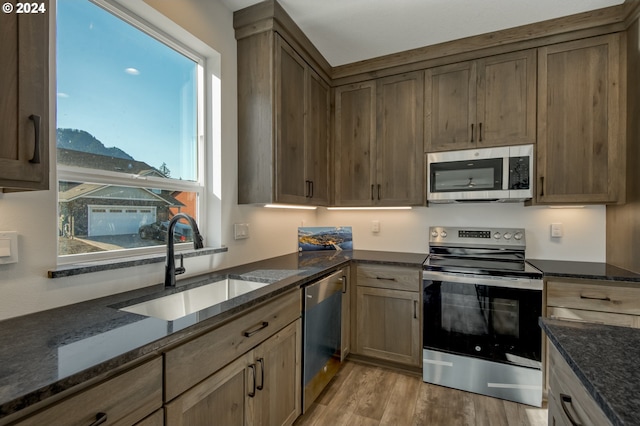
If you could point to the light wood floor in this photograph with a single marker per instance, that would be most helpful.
(364, 395)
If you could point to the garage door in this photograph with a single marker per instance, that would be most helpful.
(116, 220)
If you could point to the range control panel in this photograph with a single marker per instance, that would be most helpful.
(477, 236)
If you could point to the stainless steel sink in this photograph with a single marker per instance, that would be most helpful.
(178, 305)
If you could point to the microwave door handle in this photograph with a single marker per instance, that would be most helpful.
(506, 185)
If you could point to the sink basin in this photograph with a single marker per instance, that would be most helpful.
(196, 299)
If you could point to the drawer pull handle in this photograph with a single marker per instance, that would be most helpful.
(344, 283)
(251, 394)
(261, 362)
(564, 400)
(604, 299)
(100, 419)
(386, 279)
(250, 333)
(415, 309)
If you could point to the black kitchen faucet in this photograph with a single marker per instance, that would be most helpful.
(170, 270)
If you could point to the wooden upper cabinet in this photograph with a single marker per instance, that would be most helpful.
(318, 122)
(581, 130)
(283, 124)
(378, 142)
(450, 97)
(483, 103)
(290, 82)
(399, 136)
(354, 143)
(24, 100)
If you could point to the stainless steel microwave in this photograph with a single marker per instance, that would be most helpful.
(488, 174)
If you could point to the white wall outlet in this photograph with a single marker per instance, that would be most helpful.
(8, 247)
(375, 226)
(240, 231)
(557, 230)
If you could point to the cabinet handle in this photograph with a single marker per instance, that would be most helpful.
(542, 186)
(415, 309)
(387, 279)
(261, 326)
(100, 418)
(471, 132)
(379, 191)
(251, 394)
(564, 400)
(36, 127)
(372, 192)
(306, 189)
(311, 185)
(604, 299)
(261, 362)
(480, 132)
(344, 283)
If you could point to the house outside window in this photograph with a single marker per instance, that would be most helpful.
(129, 137)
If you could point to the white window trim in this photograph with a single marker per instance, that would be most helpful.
(79, 174)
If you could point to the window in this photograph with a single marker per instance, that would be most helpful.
(129, 131)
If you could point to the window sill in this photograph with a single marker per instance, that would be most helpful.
(106, 265)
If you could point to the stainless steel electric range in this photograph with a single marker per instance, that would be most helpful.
(481, 304)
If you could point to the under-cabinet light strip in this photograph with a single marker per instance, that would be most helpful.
(369, 208)
(289, 206)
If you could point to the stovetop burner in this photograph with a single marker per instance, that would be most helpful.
(479, 251)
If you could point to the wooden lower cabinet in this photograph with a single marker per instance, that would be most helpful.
(122, 400)
(156, 419)
(262, 387)
(569, 401)
(388, 320)
(606, 302)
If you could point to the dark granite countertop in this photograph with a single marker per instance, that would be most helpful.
(49, 352)
(584, 270)
(603, 358)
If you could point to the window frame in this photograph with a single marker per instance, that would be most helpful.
(66, 173)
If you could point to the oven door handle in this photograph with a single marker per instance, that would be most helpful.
(508, 282)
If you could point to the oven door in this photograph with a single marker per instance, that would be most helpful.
(491, 318)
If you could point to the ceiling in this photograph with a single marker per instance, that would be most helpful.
(346, 31)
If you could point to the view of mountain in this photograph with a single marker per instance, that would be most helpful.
(79, 140)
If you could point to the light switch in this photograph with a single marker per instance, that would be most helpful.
(8, 247)
(375, 226)
(240, 231)
(557, 230)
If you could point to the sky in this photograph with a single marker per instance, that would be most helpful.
(126, 88)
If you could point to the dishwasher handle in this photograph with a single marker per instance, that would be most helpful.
(321, 290)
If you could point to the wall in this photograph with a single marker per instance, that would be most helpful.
(407, 230)
(623, 222)
(25, 288)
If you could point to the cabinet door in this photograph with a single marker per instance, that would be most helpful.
(355, 121)
(580, 134)
(389, 325)
(222, 399)
(506, 109)
(399, 161)
(291, 75)
(450, 107)
(317, 140)
(345, 332)
(24, 99)
(279, 381)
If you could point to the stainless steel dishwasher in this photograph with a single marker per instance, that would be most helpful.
(322, 319)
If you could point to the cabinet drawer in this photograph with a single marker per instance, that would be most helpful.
(391, 277)
(125, 399)
(564, 383)
(590, 296)
(580, 315)
(193, 361)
